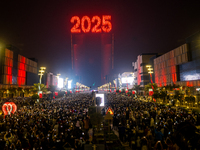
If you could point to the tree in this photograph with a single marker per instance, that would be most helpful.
(137, 88)
(2, 91)
(163, 95)
(19, 90)
(190, 90)
(36, 88)
(156, 94)
(149, 86)
(27, 91)
(12, 90)
(35, 96)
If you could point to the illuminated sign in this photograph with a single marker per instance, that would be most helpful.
(8, 108)
(192, 77)
(110, 111)
(102, 98)
(127, 80)
(60, 82)
(94, 25)
(69, 84)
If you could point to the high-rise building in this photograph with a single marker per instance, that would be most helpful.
(180, 66)
(92, 52)
(141, 76)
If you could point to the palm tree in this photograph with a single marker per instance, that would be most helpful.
(136, 88)
(12, 90)
(2, 91)
(19, 90)
(38, 87)
(27, 90)
(149, 86)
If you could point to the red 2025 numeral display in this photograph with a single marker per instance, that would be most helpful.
(85, 24)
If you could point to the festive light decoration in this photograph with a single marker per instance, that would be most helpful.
(8, 108)
(70, 91)
(56, 93)
(120, 91)
(65, 92)
(75, 29)
(133, 92)
(150, 93)
(126, 91)
(96, 20)
(97, 27)
(40, 95)
(85, 18)
(106, 24)
(114, 90)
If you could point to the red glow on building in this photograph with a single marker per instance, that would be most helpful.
(21, 79)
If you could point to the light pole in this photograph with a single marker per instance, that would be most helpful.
(150, 71)
(41, 73)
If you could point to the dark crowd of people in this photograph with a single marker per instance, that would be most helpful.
(148, 125)
(49, 124)
(63, 123)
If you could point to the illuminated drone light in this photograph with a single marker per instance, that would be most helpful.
(75, 29)
(106, 24)
(85, 18)
(96, 28)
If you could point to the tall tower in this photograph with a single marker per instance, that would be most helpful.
(92, 48)
(84, 55)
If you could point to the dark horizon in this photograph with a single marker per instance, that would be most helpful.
(42, 29)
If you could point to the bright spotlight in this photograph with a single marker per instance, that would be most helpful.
(69, 84)
(60, 82)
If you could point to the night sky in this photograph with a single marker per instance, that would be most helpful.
(41, 29)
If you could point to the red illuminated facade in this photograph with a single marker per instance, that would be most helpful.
(166, 66)
(16, 69)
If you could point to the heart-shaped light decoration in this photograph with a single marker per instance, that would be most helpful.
(8, 108)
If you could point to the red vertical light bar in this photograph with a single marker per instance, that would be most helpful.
(72, 53)
(113, 51)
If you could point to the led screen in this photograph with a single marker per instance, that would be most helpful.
(127, 80)
(69, 84)
(60, 82)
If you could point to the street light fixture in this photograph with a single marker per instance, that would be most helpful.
(150, 71)
(41, 73)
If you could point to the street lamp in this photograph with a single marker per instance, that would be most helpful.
(150, 71)
(41, 73)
